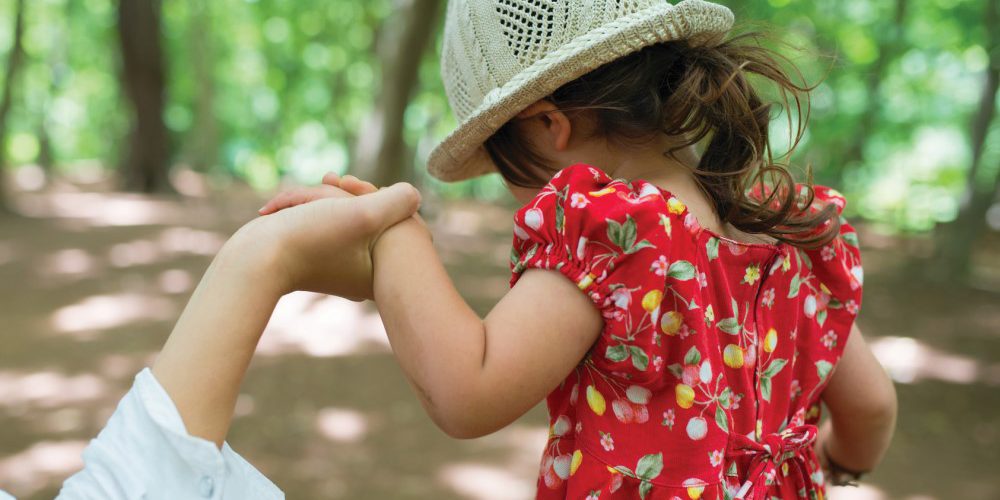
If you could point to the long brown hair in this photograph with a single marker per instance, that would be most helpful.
(693, 91)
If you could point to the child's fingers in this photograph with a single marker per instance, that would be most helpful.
(385, 207)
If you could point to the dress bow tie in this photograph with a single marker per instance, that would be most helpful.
(768, 454)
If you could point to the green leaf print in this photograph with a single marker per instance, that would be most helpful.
(614, 232)
(726, 397)
(774, 367)
(515, 257)
(823, 369)
(793, 289)
(649, 466)
(644, 488)
(676, 369)
(850, 239)
(720, 418)
(692, 357)
(821, 317)
(712, 248)
(765, 388)
(628, 233)
(560, 217)
(617, 353)
(639, 246)
(730, 326)
(681, 270)
(639, 358)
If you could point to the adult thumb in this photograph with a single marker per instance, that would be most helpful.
(387, 206)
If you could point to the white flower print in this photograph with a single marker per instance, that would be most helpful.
(702, 280)
(828, 253)
(668, 418)
(606, 442)
(578, 200)
(830, 339)
(768, 297)
(715, 458)
(660, 266)
(851, 306)
(594, 495)
(658, 363)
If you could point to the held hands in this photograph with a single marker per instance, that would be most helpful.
(319, 239)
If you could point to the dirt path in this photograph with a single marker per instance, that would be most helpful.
(90, 285)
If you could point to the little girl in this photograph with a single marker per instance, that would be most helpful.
(683, 315)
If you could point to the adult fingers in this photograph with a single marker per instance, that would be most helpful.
(331, 179)
(298, 196)
(356, 186)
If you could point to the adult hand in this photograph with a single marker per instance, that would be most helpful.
(319, 239)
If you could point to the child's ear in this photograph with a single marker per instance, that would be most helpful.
(556, 123)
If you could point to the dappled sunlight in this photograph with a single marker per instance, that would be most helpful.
(68, 261)
(321, 326)
(174, 281)
(40, 465)
(909, 360)
(101, 209)
(486, 482)
(48, 389)
(342, 425)
(185, 240)
(101, 312)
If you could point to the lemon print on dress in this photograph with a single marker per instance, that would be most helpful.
(770, 340)
(675, 206)
(604, 192)
(685, 395)
(596, 400)
(670, 322)
(651, 301)
(732, 356)
(577, 460)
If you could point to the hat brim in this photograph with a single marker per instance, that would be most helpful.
(461, 154)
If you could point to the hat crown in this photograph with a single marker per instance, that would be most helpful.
(487, 42)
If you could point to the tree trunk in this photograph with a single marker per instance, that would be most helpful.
(14, 62)
(144, 82)
(887, 51)
(380, 154)
(958, 238)
(204, 136)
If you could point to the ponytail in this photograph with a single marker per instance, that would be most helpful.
(696, 91)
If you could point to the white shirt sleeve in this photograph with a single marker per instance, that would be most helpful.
(145, 452)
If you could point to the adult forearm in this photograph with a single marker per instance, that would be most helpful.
(204, 361)
(438, 339)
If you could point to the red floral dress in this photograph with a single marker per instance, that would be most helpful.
(705, 380)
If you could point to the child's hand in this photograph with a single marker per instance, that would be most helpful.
(319, 239)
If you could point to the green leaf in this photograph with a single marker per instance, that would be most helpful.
(712, 248)
(693, 356)
(731, 471)
(821, 317)
(774, 367)
(628, 233)
(616, 353)
(851, 239)
(730, 326)
(681, 270)
(720, 419)
(625, 470)
(515, 256)
(736, 306)
(614, 232)
(823, 369)
(805, 259)
(676, 369)
(644, 488)
(639, 246)
(639, 358)
(649, 466)
(765, 388)
(560, 217)
(793, 289)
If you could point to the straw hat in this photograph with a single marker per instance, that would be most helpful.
(500, 56)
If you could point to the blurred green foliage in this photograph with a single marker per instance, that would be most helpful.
(289, 83)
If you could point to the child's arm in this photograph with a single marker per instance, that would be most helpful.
(862, 403)
(475, 376)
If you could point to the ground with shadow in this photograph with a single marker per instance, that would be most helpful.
(91, 282)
